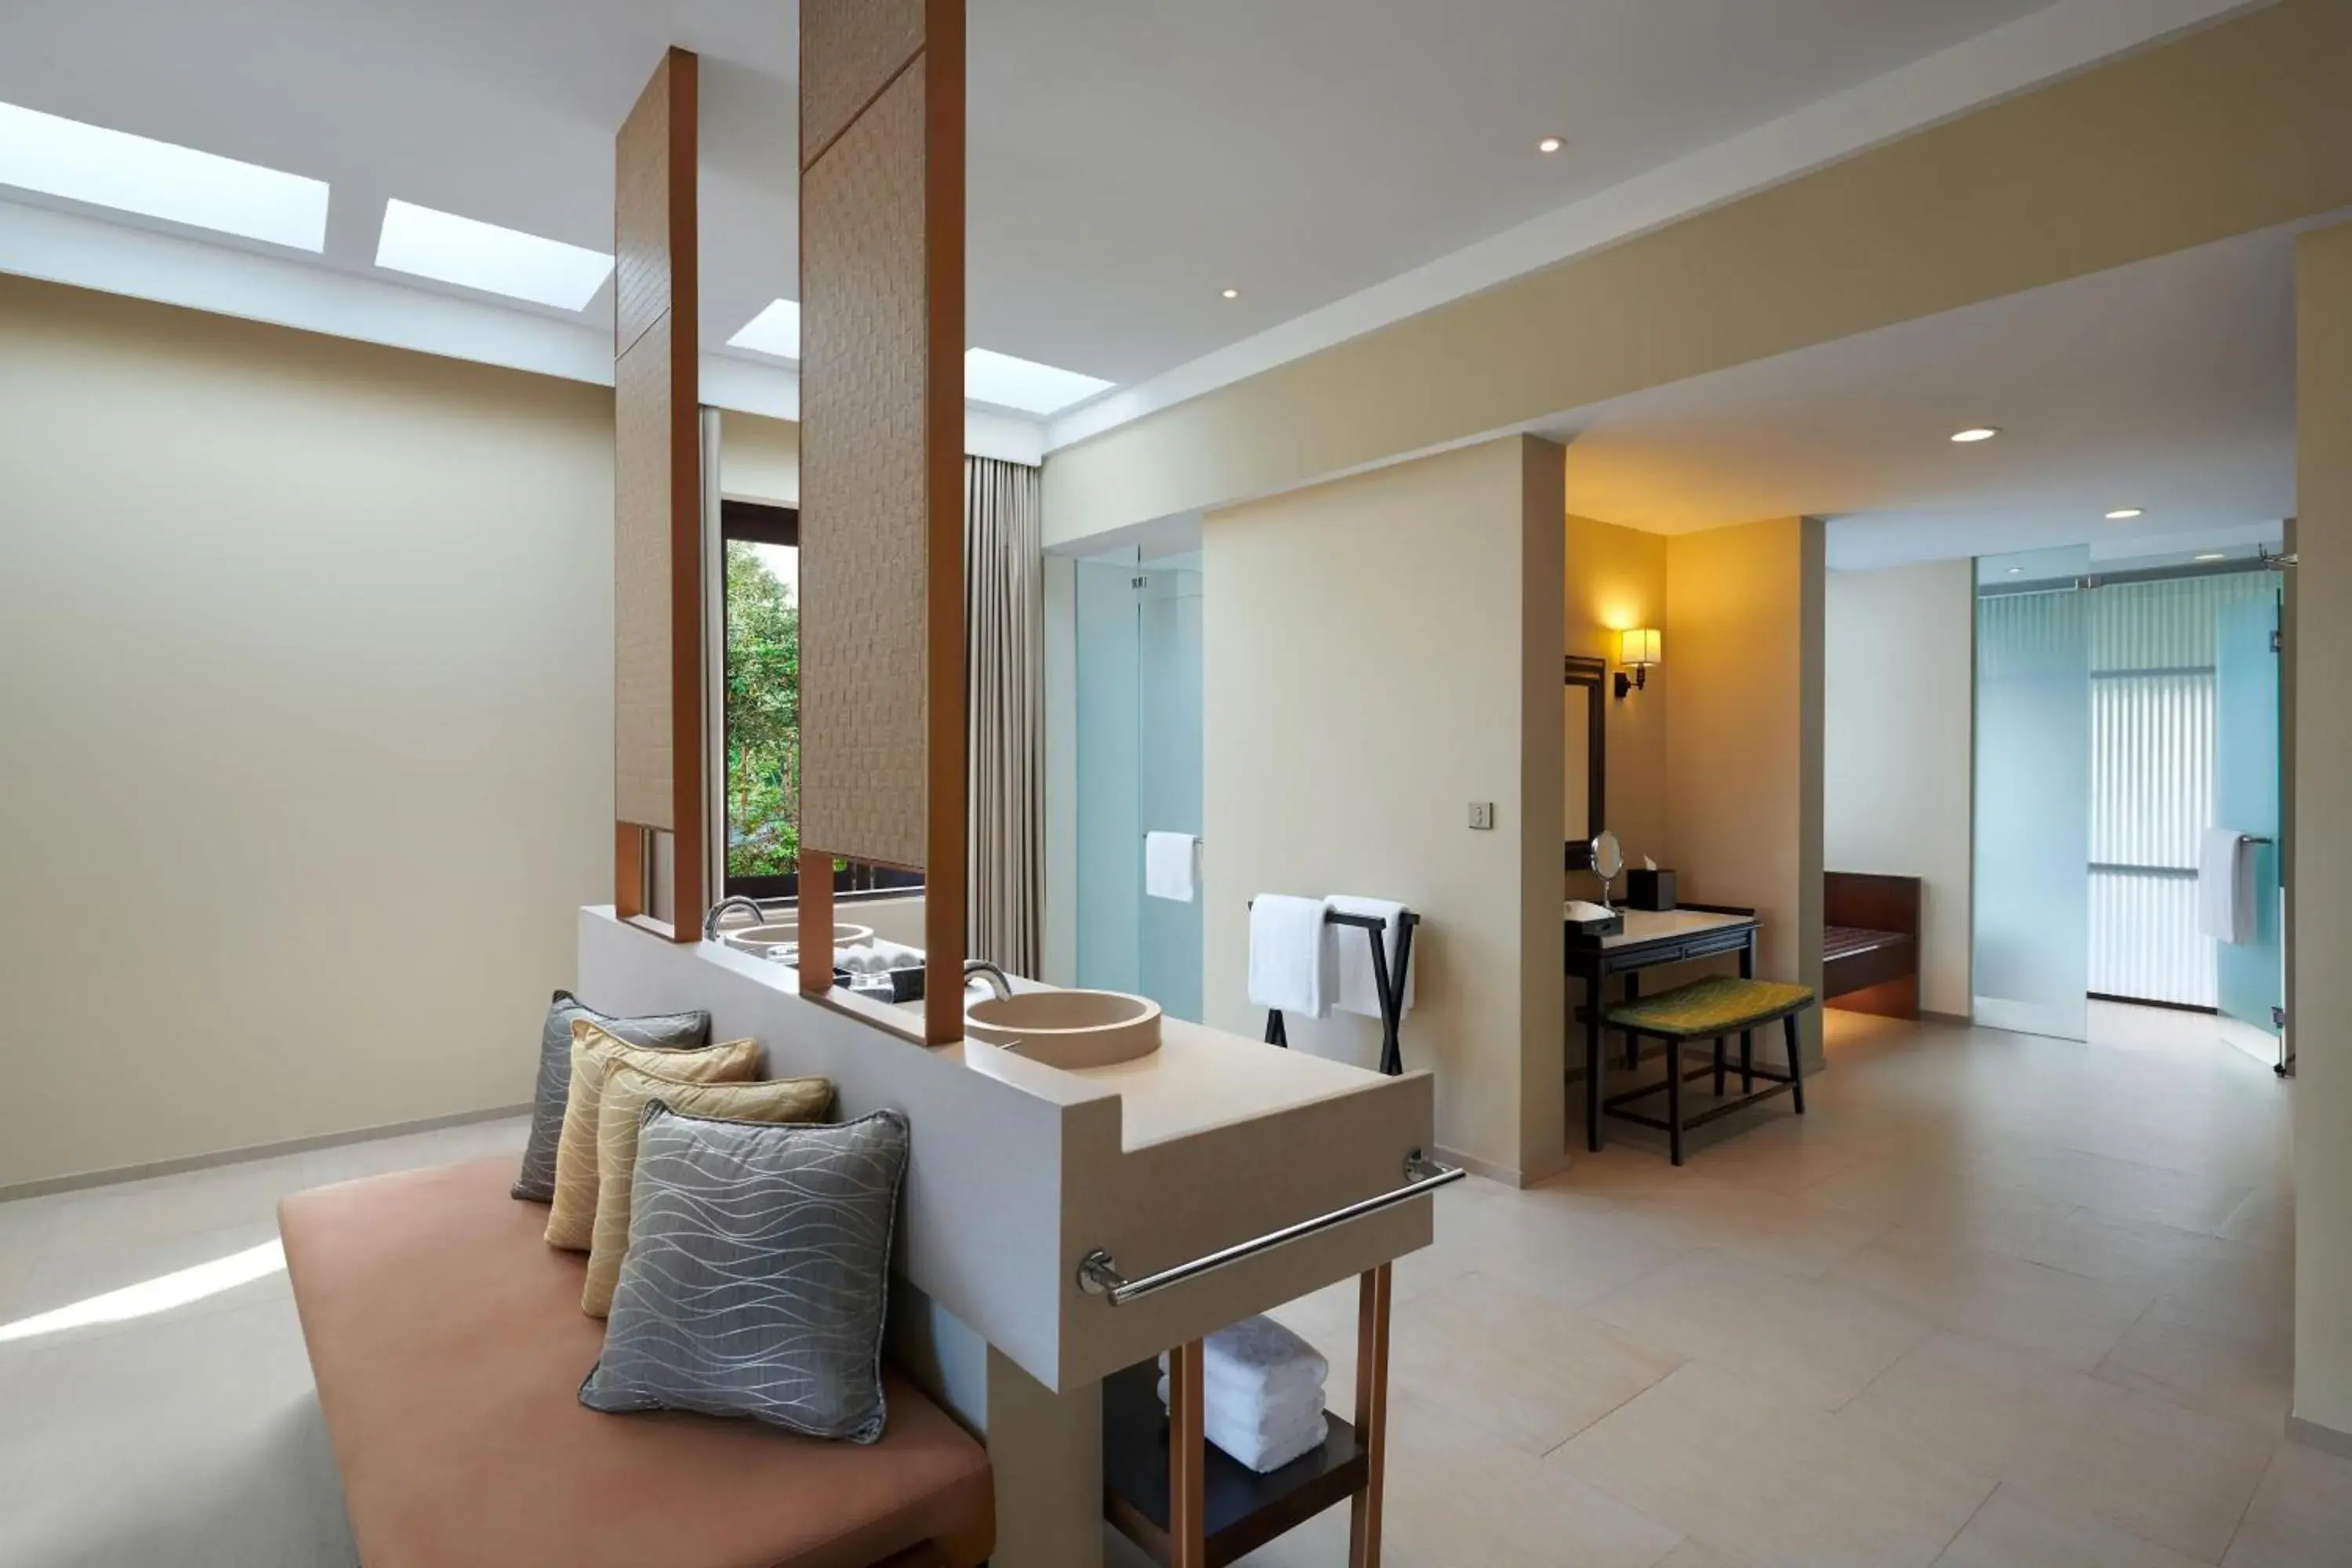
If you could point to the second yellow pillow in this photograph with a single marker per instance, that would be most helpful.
(572, 1216)
(627, 1090)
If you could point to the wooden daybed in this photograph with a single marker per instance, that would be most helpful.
(449, 1346)
(1870, 944)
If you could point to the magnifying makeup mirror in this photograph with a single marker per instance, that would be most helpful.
(1608, 860)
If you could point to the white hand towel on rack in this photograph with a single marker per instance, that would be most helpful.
(1356, 993)
(1291, 967)
(2225, 885)
(1168, 866)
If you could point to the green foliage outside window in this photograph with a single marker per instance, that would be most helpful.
(763, 718)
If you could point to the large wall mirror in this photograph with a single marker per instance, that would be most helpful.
(1586, 775)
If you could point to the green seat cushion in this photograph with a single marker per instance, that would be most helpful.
(1715, 1005)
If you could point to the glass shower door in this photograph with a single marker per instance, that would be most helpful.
(2250, 974)
(2032, 793)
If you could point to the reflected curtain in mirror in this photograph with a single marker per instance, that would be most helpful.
(1004, 661)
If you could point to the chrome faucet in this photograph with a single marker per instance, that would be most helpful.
(990, 972)
(718, 911)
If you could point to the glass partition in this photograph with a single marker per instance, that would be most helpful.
(2033, 793)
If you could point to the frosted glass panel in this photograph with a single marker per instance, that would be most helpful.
(2033, 794)
(1139, 745)
(1110, 825)
(2252, 980)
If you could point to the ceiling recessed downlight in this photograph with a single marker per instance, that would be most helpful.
(775, 330)
(2126, 514)
(158, 179)
(2213, 555)
(1976, 433)
(1033, 388)
(447, 249)
(2017, 570)
(1549, 144)
(1233, 293)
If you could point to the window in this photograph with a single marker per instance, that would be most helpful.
(763, 710)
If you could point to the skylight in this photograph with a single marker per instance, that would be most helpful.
(775, 330)
(474, 255)
(1033, 388)
(157, 179)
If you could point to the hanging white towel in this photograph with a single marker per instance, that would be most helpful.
(1357, 994)
(2225, 885)
(1168, 866)
(1291, 967)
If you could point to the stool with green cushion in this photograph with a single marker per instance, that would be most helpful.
(1717, 1007)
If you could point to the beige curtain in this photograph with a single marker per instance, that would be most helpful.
(1003, 616)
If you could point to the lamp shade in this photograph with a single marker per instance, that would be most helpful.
(1639, 648)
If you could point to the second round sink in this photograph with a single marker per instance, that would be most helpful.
(1067, 1028)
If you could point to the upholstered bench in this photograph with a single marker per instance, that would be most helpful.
(1717, 1007)
(449, 1346)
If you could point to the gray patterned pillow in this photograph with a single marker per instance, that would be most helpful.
(665, 1031)
(757, 1273)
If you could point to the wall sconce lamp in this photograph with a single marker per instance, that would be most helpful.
(1637, 650)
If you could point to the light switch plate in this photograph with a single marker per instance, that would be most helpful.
(1482, 815)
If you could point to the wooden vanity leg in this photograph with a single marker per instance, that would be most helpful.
(1188, 1522)
(1371, 1414)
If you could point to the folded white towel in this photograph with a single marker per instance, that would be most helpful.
(1294, 1413)
(1258, 1359)
(876, 956)
(1168, 866)
(1262, 1443)
(1357, 994)
(2225, 885)
(1291, 967)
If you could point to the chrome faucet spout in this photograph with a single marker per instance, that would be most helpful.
(719, 912)
(990, 972)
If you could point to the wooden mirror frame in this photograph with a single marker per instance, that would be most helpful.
(1592, 674)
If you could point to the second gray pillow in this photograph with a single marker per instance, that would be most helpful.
(756, 1279)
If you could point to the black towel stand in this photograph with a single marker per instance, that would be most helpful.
(1391, 994)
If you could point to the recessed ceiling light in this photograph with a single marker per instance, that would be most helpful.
(775, 330)
(2214, 555)
(1033, 388)
(1233, 293)
(2126, 514)
(447, 249)
(1549, 144)
(2017, 570)
(1976, 433)
(157, 179)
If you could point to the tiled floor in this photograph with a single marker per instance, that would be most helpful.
(1996, 1302)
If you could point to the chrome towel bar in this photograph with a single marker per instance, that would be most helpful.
(1098, 1275)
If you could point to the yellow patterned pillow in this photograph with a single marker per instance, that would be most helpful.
(622, 1110)
(572, 1217)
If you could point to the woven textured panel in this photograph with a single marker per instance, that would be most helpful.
(643, 766)
(864, 492)
(849, 49)
(641, 214)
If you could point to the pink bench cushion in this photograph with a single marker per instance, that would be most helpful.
(449, 1345)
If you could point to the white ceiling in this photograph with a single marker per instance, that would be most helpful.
(2168, 385)
(1130, 158)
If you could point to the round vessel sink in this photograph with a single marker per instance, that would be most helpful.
(758, 940)
(1067, 1028)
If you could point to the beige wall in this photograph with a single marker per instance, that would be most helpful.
(1381, 652)
(1898, 725)
(1617, 579)
(305, 737)
(758, 458)
(2321, 1000)
(1743, 637)
(2230, 129)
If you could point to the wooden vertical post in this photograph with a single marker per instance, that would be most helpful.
(1371, 1414)
(816, 921)
(1188, 1458)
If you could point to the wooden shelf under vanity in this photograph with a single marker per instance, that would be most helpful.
(1243, 1509)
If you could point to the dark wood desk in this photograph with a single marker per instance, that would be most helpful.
(1650, 938)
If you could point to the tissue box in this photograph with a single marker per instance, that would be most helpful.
(1648, 889)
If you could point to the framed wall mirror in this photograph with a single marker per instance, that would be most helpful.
(1586, 774)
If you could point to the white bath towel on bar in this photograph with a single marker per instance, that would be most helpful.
(1291, 967)
(1168, 866)
(2225, 885)
(1357, 994)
